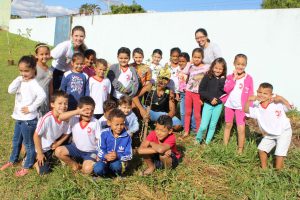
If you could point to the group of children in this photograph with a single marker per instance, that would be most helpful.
(90, 121)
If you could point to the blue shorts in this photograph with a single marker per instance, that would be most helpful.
(160, 165)
(46, 168)
(79, 155)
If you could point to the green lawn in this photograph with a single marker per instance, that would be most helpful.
(211, 172)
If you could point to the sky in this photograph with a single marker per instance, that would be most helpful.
(32, 8)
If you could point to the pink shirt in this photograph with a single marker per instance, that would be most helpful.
(169, 140)
(90, 71)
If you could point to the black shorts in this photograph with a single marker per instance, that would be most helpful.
(160, 165)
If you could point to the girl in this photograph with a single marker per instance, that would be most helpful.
(63, 52)
(238, 86)
(211, 90)
(89, 62)
(155, 66)
(211, 50)
(29, 96)
(192, 97)
(44, 75)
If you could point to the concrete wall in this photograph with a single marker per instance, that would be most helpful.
(270, 39)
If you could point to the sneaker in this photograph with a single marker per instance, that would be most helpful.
(22, 172)
(7, 165)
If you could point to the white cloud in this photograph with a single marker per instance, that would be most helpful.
(34, 8)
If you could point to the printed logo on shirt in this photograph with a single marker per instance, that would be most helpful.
(90, 131)
(278, 113)
(121, 149)
(105, 89)
(128, 77)
(76, 84)
(241, 85)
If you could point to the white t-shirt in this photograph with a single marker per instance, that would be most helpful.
(49, 128)
(174, 81)
(125, 78)
(84, 137)
(62, 56)
(99, 91)
(155, 69)
(271, 119)
(211, 52)
(234, 100)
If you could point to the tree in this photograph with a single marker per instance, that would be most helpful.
(126, 9)
(89, 9)
(272, 4)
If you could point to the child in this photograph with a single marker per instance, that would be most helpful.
(99, 87)
(63, 52)
(85, 131)
(143, 71)
(131, 122)
(123, 78)
(155, 66)
(114, 146)
(108, 105)
(50, 132)
(44, 75)
(211, 89)
(192, 97)
(272, 120)
(74, 81)
(159, 148)
(29, 96)
(238, 86)
(89, 61)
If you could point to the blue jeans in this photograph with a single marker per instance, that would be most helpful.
(182, 112)
(101, 168)
(209, 114)
(155, 115)
(23, 133)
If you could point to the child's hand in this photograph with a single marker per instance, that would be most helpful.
(177, 97)
(214, 101)
(54, 146)
(25, 110)
(40, 159)
(168, 153)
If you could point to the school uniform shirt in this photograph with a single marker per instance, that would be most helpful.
(99, 91)
(234, 98)
(271, 119)
(121, 145)
(84, 137)
(28, 93)
(169, 140)
(132, 124)
(49, 128)
(62, 55)
(103, 123)
(74, 84)
(195, 72)
(124, 78)
(174, 81)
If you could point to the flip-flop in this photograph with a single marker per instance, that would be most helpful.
(6, 165)
(22, 172)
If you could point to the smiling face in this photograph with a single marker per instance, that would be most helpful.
(60, 105)
(240, 64)
(42, 55)
(201, 39)
(77, 64)
(90, 61)
(123, 59)
(117, 124)
(218, 69)
(162, 131)
(156, 58)
(126, 109)
(26, 72)
(87, 113)
(100, 70)
(138, 58)
(197, 58)
(264, 94)
(174, 58)
(182, 62)
(78, 38)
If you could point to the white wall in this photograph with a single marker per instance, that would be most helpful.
(270, 39)
(43, 29)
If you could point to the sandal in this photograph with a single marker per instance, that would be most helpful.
(6, 165)
(22, 172)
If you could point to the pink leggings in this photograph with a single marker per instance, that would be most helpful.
(192, 100)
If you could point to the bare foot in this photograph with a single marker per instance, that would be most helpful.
(148, 171)
(75, 167)
(184, 136)
(240, 151)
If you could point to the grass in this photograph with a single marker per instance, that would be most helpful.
(210, 172)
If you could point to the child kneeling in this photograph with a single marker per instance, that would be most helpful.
(159, 148)
(114, 146)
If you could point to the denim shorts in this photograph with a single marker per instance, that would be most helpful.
(79, 155)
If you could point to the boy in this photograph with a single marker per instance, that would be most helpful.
(114, 146)
(74, 81)
(108, 105)
(131, 122)
(85, 131)
(99, 87)
(159, 148)
(123, 77)
(272, 120)
(50, 132)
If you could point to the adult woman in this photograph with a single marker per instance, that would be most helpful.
(211, 50)
(63, 52)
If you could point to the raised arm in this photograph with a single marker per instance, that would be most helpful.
(281, 99)
(14, 86)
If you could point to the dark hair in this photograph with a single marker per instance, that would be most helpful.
(124, 50)
(266, 85)
(125, 99)
(138, 51)
(87, 53)
(221, 61)
(175, 49)
(58, 93)
(240, 55)
(30, 61)
(86, 100)
(185, 55)
(101, 61)
(109, 105)
(116, 113)
(76, 56)
(203, 31)
(158, 51)
(165, 120)
(199, 50)
(82, 47)
(39, 45)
